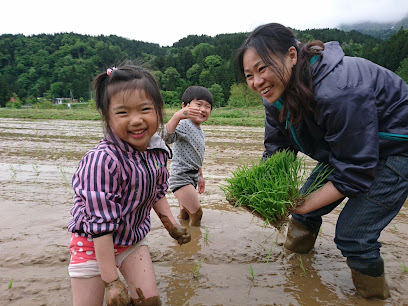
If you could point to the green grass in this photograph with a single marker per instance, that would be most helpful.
(404, 267)
(270, 189)
(219, 116)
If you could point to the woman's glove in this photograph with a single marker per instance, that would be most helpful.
(180, 233)
(116, 293)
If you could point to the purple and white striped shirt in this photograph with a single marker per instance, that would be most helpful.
(115, 188)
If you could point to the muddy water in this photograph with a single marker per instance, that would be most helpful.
(243, 261)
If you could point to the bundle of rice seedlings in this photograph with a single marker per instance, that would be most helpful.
(270, 189)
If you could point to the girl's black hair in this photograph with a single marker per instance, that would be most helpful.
(127, 77)
(274, 39)
(197, 93)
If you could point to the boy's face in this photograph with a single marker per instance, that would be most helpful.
(204, 107)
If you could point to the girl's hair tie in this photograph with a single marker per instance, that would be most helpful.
(109, 71)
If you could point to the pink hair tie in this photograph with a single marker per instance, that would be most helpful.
(109, 71)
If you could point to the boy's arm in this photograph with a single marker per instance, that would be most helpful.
(184, 113)
(201, 181)
(178, 232)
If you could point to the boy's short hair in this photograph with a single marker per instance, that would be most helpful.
(197, 93)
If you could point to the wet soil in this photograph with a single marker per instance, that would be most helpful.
(243, 260)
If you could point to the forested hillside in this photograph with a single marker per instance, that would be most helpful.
(378, 30)
(63, 65)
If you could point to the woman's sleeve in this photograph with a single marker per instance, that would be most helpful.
(96, 185)
(352, 133)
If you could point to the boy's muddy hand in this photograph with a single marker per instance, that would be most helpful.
(116, 294)
(180, 233)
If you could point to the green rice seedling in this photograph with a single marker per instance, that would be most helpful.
(10, 285)
(404, 266)
(13, 172)
(206, 234)
(197, 268)
(268, 257)
(35, 168)
(270, 188)
(302, 266)
(64, 177)
(251, 271)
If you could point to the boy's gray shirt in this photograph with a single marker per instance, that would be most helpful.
(188, 147)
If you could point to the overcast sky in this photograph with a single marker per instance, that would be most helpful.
(166, 21)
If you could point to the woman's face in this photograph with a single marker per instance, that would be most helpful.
(263, 79)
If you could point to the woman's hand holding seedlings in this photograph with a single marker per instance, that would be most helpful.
(116, 293)
(319, 198)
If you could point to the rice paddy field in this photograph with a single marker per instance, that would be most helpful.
(234, 258)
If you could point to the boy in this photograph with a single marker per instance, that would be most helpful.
(186, 172)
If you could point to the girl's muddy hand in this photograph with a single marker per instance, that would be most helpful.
(116, 293)
(180, 233)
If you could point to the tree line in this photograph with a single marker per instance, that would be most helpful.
(63, 65)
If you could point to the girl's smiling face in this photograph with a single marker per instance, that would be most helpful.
(133, 118)
(264, 79)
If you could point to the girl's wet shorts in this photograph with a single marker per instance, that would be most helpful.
(83, 262)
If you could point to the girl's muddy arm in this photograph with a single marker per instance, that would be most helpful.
(116, 291)
(178, 232)
(104, 251)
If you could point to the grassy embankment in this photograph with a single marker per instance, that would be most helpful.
(219, 116)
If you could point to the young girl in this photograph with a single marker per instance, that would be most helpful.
(345, 112)
(116, 185)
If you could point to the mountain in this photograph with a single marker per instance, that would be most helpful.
(378, 30)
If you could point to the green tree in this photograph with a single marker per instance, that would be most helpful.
(402, 70)
(193, 74)
(171, 98)
(243, 96)
(218, 95)
(170, 79)
(4, 92)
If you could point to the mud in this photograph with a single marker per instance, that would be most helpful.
(244, 262)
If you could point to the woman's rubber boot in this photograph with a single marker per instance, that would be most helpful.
(369, 280)
(299, 239)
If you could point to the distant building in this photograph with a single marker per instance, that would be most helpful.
(62, 100)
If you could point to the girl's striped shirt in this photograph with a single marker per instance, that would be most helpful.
(115, 188)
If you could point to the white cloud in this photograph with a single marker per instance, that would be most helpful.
(165, 22)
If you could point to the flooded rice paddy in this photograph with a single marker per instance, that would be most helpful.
(243, 261)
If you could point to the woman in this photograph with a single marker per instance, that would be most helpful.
(345, 112)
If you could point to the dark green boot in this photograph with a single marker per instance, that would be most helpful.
(299, 239)
(369, 280)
